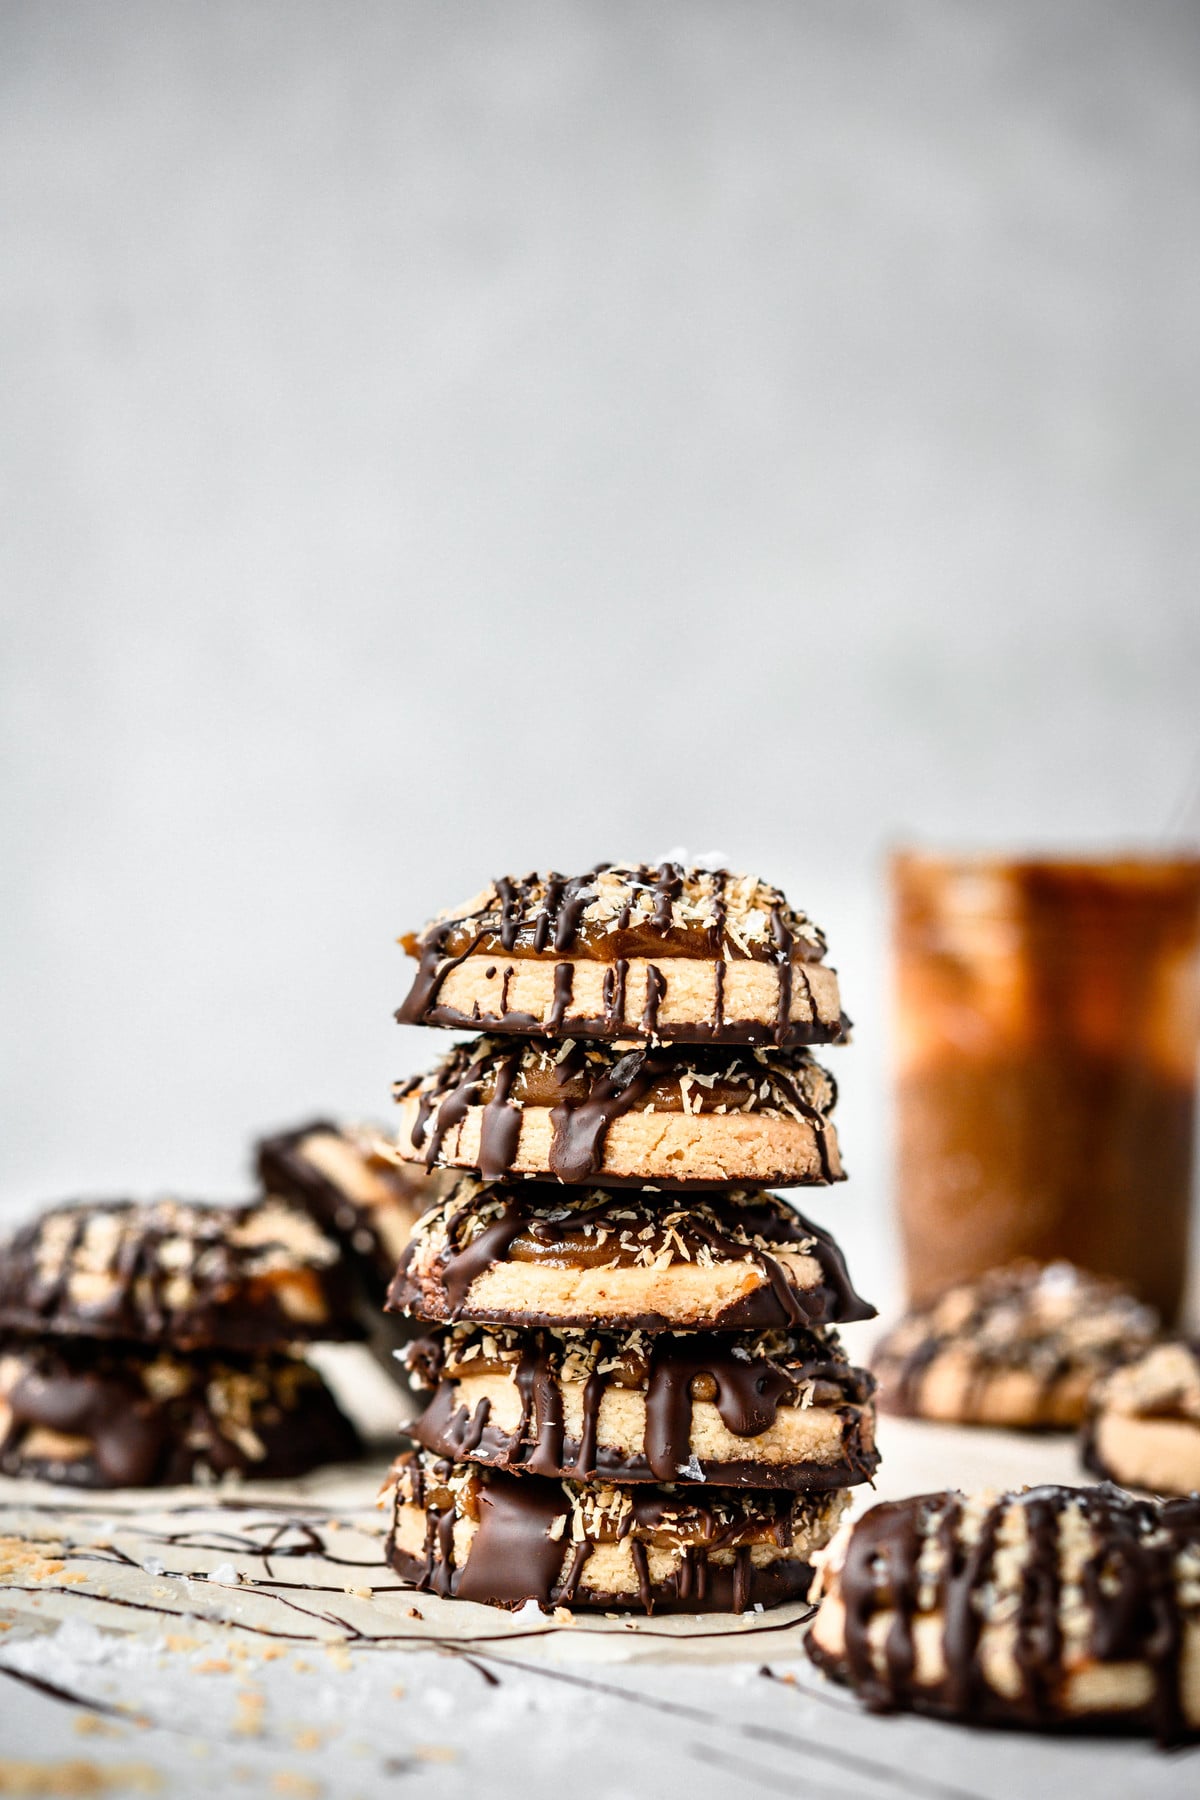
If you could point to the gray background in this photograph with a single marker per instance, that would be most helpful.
(438, 439)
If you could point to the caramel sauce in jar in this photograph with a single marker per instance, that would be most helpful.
(1047, 1021)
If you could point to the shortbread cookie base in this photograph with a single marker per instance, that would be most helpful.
(723, 1298)
(954, 1391)
(665, 1149)
(1158, 1456)
(806, 1449)
(669, 1587)
(675, 999)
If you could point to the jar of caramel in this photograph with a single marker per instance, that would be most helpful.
(1047, 1022)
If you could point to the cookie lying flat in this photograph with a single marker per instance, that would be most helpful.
(1055, 1607)
(354, 1189)
(480, 1534)
(1021, 1347)
(96, 1416)
(531, 1253)
(768, 1409)
(671, 1116)
(625, 951)
(1145, 1427)
(173, 1272)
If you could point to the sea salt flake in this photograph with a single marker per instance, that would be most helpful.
(224, 1572)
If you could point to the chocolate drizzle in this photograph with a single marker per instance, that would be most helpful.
(534, 1538)
(747, 1380)
(564, 982)
(587, 1088)
(462, 1268)
(656, 988)
(1131, 1578)
(668, 912)
(514, 1556)
(580, 1128)
(501, 1129)
(746, 1394)
(731, 1225)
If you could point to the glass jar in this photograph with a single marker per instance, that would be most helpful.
(1047, 1020)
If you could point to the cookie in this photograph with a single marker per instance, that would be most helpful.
(1022, 1346)
(532, 1253)
(100, 1416)
(624, 951)
(176, 1272)
(579, 1112)
(779, 1408)
(480, 1534)
(1145, 1427)
(1051, 1608)
(346, 1177)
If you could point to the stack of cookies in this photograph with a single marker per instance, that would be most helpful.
(637, 1394)
(160, 1343)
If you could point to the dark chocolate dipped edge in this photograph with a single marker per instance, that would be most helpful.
(1130, 1585)
(519, 1547)
(747, 1391)
(708, 1588)
(1089, 1449)
(221, 1316)
(138, 1441)
(776, 1302)
(581, 1121)
(554, 931)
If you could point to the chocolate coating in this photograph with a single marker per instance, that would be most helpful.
(98, 1416)
(533, 1539)
(748, 1377)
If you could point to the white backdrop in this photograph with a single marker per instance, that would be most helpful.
(443, 439)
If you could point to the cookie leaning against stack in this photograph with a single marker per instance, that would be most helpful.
(158, 1343)
(637, 1394)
